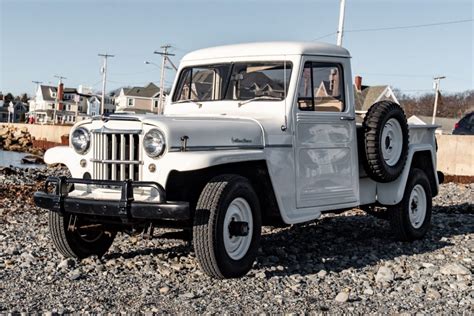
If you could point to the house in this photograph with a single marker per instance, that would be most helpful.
(139, 99)
(66, 105)
(20, 110)
(365, 96)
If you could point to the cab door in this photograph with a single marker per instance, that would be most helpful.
(326, 144)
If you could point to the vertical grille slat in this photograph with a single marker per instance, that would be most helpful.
(116, 156)
(122, 156)
(131, 151)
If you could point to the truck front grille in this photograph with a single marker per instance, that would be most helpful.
(116, 156)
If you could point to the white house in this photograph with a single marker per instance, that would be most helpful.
(66, 105)
(139, 99)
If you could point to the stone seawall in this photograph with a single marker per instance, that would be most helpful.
(50, 133)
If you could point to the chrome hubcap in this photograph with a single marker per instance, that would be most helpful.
(238, 228)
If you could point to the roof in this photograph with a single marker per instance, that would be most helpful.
(145, 92)
(268, 48)
(367, 96)
(47, 95)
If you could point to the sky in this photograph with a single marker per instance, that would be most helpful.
(44, 38)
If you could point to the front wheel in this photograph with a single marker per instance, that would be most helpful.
(74, 238)
(411, 218)
(227, 227)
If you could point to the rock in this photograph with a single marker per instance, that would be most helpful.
(417, 288)
(384, 275)
(454, 269)
(164, 290)
(432, 294)
(261, 275)
(368, 291)
(75, 274)
(188, 295)
(342, 297)
(32, 159)
(66, 264)
(322, 274)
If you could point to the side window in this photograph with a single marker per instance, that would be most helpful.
(321, 88)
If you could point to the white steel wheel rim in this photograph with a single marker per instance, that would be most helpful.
(417, 206)
(392, 142)
(239, 210)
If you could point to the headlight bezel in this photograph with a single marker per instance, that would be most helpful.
(161, 136)
(87, 135)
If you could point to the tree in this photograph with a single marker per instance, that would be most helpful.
(24, 98)
(8, 98)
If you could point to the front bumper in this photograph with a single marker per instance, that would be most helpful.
(125, 207)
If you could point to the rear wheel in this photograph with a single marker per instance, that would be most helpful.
(227, 227)
(411, 218)
(74, 239)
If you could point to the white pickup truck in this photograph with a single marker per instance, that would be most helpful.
(253, 134)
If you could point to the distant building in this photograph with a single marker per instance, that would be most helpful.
(139, 99)
(365, 96)
(66, 105)
(20, 111)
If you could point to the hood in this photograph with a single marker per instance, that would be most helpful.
(203, 132)
(207, 133)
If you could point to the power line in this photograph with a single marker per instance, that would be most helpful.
(398, 27)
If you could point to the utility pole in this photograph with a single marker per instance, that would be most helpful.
(104, 79)
(340, 28)
(164, 54)
(436, 87)
(56, 103)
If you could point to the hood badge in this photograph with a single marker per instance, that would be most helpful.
(241, 140)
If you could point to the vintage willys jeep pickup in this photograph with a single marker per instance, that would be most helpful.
(253, 134)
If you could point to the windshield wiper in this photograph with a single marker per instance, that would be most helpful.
(189, 100)
(262, 97)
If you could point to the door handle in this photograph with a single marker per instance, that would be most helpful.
(347, 118)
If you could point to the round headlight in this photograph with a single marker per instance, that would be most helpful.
(80, 140)
(154, 143)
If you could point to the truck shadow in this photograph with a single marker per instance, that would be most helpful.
(336, 243)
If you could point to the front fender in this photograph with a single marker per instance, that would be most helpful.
(64, 155)
(186, 161)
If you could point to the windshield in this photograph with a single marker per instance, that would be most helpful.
(234, 81)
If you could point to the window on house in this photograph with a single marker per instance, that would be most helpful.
(155, 103)
(130, 102)
(321, 88)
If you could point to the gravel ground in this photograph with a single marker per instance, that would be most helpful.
(339, 264)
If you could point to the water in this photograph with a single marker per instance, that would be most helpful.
(11, 158)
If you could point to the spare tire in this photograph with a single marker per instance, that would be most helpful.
(385, 141)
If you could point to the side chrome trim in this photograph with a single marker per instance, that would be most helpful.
(212, 148)
(279, 146)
